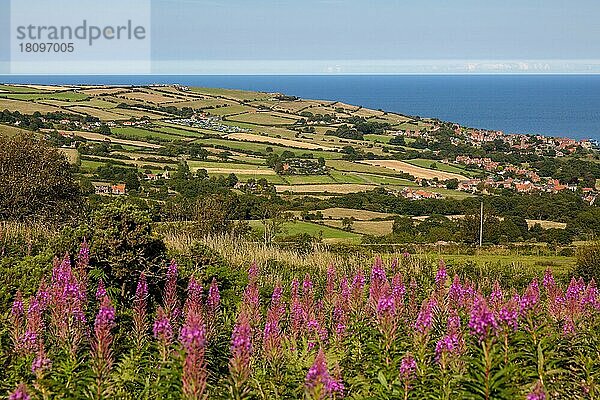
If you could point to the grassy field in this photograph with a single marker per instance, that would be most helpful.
(337, 188)
(328, 234)
(230, 110)
(362, 215)
(262, 119)
(374, 228)
(203, 103)
(140, 134)
(26, 107)
(308, 179)
(557, 263)
(427, 163)
(386, 180)
(378, 138)
(19, 89)
(151, 97)
(101, 138)
(102, 114)
(230, 168)
(348, 166)
(8, 130)
(261, 147)
(64, 96)
(231, 93)
(418, 172)
(283, 142)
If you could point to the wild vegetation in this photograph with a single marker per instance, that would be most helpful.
(208, 280)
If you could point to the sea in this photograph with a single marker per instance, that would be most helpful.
(552, 105)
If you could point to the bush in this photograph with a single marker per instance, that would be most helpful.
(124, 245)
(588, 262)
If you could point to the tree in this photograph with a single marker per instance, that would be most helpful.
(36, 181)
(347, 223)
(273, 220)
(104, 129)
(452, 184)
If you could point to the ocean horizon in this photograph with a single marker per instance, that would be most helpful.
(551, 105)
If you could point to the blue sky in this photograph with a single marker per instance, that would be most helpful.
(376, 36)
(325, 33)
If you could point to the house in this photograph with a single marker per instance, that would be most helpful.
(108, 189)
(118, 189)
(152, 177)
(419, 194)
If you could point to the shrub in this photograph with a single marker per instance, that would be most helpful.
(124, 245)
(588, 262)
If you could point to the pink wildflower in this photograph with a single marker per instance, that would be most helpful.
(482, 321)
(20, 393)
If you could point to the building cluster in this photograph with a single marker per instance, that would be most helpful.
(300, 166)
(205, 121)
(534, 143)
(110, 189)
(495, 167)
(524, 186)
(150, 176)
(419, 194)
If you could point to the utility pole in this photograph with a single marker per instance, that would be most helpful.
(481, 225)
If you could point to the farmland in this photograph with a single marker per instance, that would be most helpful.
(416, 171)
(155, 132)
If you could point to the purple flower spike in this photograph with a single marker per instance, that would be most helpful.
(193, 339)
(241, 350)
(537, 393)
(140, 307)
(441, 275)
(408, 367)
(319, 383)
(20, 393)
(214, 297)
(162, 329)
(101, 291)
(482, 322)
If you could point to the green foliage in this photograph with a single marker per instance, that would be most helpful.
(36, 181)
(588, 262)
(124, 245)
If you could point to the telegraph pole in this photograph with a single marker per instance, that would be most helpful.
(481, 225)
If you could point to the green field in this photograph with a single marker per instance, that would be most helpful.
(440, 166)
(19, 89)
(8, 130)
(558, 264)
(65, 96)
(230, 93)
(262, 119)
(307, 179)
(328, 234)
(261, 148)
(386, 180)
(378, 138)
(274, 179)
(141, 134)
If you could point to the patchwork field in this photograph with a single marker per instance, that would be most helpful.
(418, 172)
(374, 228)
(361, 215)
(261, 118)
(101, 138)
(283, 142)
(26, 107)
(338, 188)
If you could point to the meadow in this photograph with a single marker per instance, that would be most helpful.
(319, 326)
